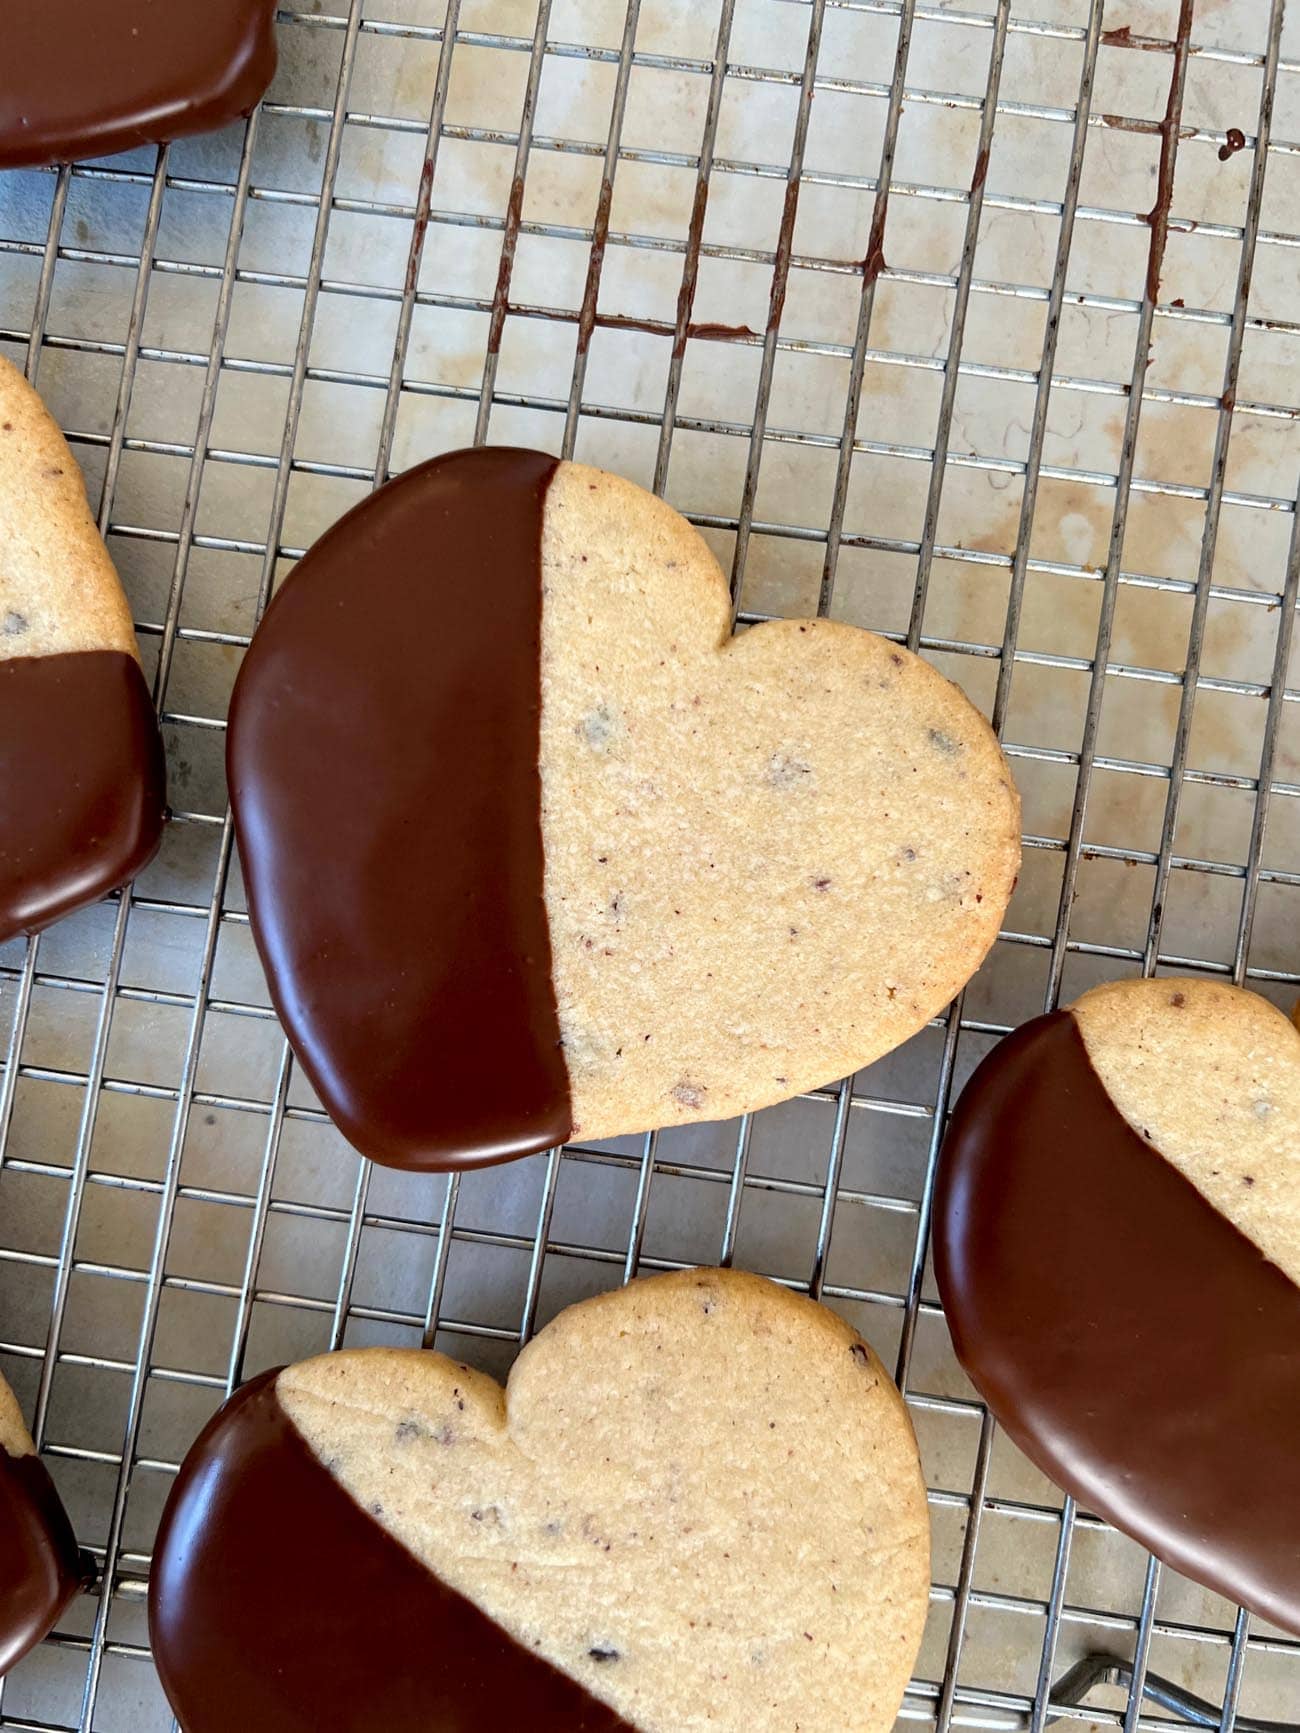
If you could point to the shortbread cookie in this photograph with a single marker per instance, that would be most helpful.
(83, 80)
(81, 765)
(696, 1505)
(1117, 1244)
(535, 849)
(40, 1567)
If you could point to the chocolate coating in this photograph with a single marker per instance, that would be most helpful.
(277, 1605)
(1136, 1346)
(40, 1567)
(82, 782)
(383, 765)
(84, 78)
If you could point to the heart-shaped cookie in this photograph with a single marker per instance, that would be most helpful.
(83, 81)
(40, 1567)
(535, 848)
(81, 761)
(1117, 1243)
(697, 1504)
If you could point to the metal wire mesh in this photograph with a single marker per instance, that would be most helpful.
(972, 323)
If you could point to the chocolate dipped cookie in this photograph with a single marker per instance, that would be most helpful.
(696, 1504)
(40, 1566)
(81, 760)
(535, 848)
(1117, 1244)
(85, 78)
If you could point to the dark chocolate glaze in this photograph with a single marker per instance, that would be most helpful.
(277, 1605)
(82, 783)
(1136, 1346)
(40, 1567)
(84, 78)
(383, 765)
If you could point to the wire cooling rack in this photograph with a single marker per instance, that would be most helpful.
(977, 324)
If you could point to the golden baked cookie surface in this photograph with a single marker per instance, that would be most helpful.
(699, 1496)
(769, 858)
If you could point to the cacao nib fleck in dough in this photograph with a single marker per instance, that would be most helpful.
(944, 743)
(860, 1354)
(408, 1430)
(1177, 1000)
(821, 884)
(689, 1094)
(786, 772)
(599, 727)
(602, 1653)
(15, 624)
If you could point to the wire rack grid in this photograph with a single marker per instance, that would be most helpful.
(973, 323)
